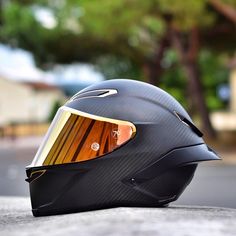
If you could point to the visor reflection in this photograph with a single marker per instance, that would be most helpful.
(76, 136)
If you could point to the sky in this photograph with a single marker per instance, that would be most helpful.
(18, 64)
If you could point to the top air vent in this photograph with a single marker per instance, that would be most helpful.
(94, 93)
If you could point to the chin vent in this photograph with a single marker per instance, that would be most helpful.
(35, 175)
(101, 93)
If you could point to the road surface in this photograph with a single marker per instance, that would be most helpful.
(16, 220)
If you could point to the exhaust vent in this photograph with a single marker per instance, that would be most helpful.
(189, 124)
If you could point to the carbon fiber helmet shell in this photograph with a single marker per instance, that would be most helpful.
(152, 169)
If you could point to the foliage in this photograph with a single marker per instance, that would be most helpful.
(56, 105)
(120, 36)
(114, 67)
(214, 74)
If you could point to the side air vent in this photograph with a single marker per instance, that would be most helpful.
(94, 93)
(189, 124)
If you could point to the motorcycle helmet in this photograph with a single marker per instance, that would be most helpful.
(115, 143)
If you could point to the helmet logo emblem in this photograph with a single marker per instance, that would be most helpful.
(95, 146)
(116, 133)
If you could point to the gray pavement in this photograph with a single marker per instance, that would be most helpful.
(16, 220)
(214, 184)
(12, 171)
(20, 143)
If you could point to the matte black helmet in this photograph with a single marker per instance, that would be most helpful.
(116, 143)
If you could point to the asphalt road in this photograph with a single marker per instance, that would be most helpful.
(214, 183)
(16, 220)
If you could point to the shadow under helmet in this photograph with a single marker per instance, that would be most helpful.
(116, 143)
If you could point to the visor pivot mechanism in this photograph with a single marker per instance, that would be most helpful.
(95, 146)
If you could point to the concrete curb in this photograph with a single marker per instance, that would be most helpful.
(16, 219)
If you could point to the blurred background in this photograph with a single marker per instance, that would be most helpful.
(49, 50)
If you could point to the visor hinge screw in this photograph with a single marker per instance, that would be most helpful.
(95, 146)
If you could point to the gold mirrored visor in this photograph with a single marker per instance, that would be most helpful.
(75, 136)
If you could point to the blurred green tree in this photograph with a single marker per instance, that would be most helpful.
(56, 105)
(128, 37)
